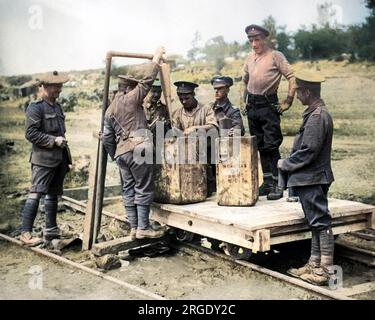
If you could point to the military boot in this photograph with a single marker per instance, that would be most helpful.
(321, 276)
(314, 261)
(266, 186)
(133, 233)
(308, 268)
(28, 240)
(149, 233)
(276, 193)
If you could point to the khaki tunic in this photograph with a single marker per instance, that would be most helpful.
(263, 73)
(202, 115)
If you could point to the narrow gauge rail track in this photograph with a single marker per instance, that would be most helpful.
(340, 294)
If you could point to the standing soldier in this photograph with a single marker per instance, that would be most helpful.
(262, 74)
(50, 157)
(125, 125)
(222, 106)
(193, 116)
(155, 110)
(309, 174)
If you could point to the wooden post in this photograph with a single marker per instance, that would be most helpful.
(88, 228)
(98, 172)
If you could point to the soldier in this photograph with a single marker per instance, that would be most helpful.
(192, 117)
(263, 70)
(223, 108)
(155, 110)
(50, 157)
(124, 122)
(309, 174)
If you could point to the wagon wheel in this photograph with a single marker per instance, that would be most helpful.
(236, 252)
(215, 244)
(183, 235)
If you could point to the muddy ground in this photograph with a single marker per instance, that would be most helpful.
(186, 274)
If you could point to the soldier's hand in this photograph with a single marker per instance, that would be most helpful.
(189, 130)
(280, 163)
(281, 108)
(61, 142)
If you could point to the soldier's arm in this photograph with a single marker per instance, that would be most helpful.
(109, 138)
(144, 86)
(311, 145)
(287, 71)
(245, 81)
(34, 132)
(237, 122)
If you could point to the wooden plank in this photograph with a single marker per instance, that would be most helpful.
(262, 216)
(283, 230)
(88, 228)
(307, 235)
(365, 236)
(358, 289)
(262, 241)
(119, 244)
(206, 228)
(352, 247)
(371, 220)
(355, 256)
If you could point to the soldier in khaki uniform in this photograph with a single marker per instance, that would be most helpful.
(309, 174)
(195, 116)
(223, 108)
(50, 157)
(263, 70)
(155, 110)
(192, 115)
(124, 138)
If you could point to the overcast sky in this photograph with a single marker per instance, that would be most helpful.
(43, 35)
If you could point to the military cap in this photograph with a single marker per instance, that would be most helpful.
(308, 79)
(221, 81)
(254, 30)
(185, 86)
(157, 83)
(129, 80)
(113, 88)
(52, 78)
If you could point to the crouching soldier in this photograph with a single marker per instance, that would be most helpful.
(310, 175)
(50, 157)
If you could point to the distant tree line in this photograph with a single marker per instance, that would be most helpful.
(325, 40)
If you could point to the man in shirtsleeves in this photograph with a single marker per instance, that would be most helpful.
(263, 70)
(193, 116)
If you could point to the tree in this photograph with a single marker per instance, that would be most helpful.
(195, 50)
(326, 14)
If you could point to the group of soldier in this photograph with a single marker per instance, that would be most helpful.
(136, 105)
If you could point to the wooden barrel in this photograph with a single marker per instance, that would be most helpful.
(237, 171)
(177, 182)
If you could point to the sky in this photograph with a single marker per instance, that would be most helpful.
(44, 35)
